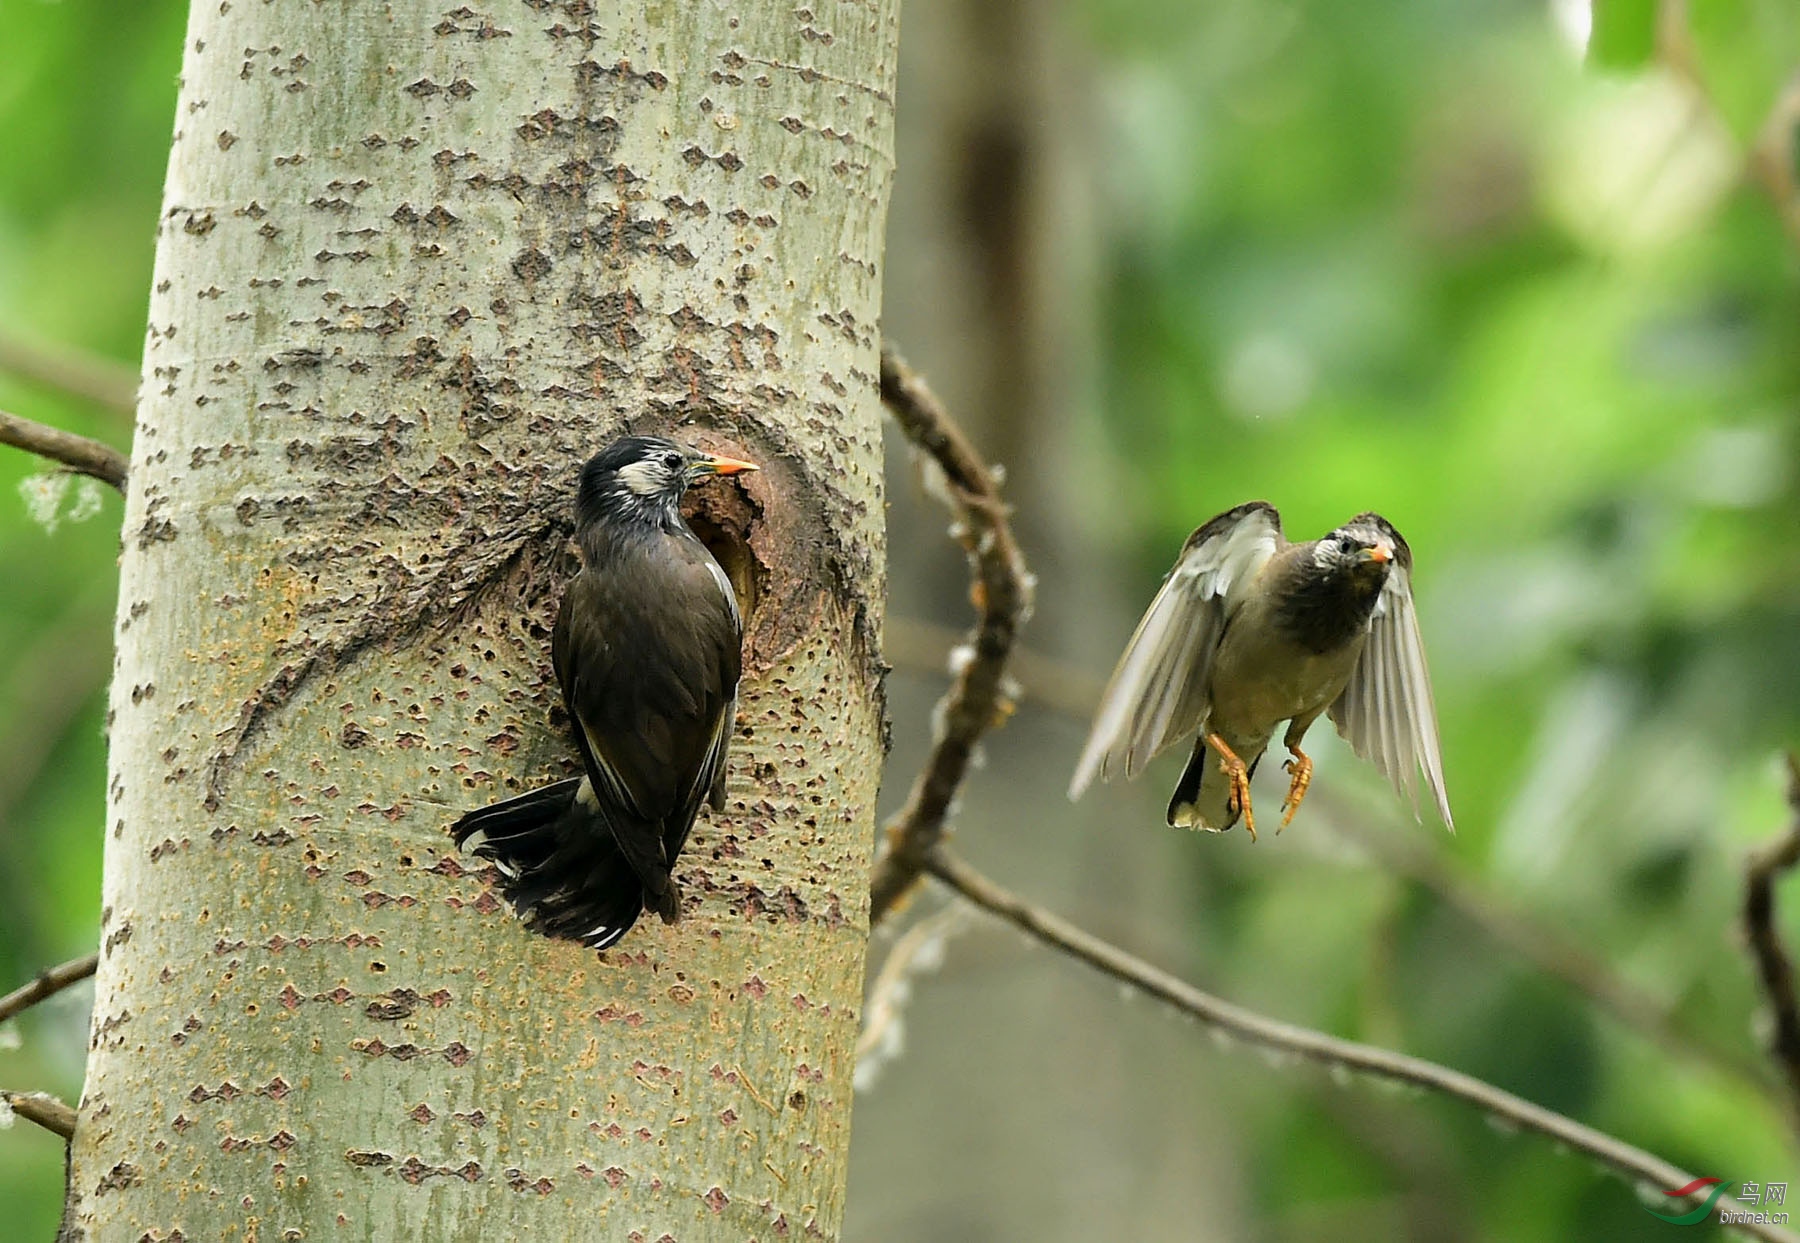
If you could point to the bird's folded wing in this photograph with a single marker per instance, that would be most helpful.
(621, 806)
(709, 778)
(1157, 695)
(709, 782)
(1386, 712)
(611, 783)
(580, 630)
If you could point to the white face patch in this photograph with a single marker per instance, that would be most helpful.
(1346, 545)
(645, 478)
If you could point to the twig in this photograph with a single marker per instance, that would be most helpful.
(1553, 953)
(1772, 158)
(1773, 965)
(1075, 691)
(48, 984)
(89, 376)
(977, 697)
(78, 453)
(921, 646)
(44, 1109)
(1769, 161)
(1313, 1046)
(919, 949)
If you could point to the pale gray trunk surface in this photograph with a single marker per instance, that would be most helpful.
(415, 264)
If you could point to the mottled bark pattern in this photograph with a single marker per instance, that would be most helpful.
(416, 262)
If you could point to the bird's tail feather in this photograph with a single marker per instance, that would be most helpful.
(1183, 812)
(562, 871)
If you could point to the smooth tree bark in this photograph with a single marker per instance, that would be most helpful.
(415, 264)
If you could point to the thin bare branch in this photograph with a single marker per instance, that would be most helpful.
(923, 647)
(42, 1108)
(1553, 953)
(1331, 1052)
(1772, 159)
(919, 949)
(1774, 966)
(78, 453)
(47, 984)
(88, 376)
(977, 698)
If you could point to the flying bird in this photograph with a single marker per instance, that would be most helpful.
(1249, 631)
(647, 648)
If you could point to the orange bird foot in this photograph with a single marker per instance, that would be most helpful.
(1240, 782)
(1301, 766)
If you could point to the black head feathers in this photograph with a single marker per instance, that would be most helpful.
(644, 477)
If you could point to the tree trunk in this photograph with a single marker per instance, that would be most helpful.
(415, 264)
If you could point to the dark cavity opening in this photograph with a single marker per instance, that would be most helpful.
(728, 541)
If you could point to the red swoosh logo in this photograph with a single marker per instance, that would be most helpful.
(1694, 1186)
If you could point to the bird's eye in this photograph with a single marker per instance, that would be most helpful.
(672, 461)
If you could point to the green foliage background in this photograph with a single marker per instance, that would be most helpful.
(87, 101)
(1416, 255)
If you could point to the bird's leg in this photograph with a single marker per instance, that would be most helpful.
(1301, 766)
(1240, 781)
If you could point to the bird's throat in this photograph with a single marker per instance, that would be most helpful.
(1324, 611)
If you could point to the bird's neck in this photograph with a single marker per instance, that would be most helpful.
(621, 520)
(1323, 612)
(624, 509)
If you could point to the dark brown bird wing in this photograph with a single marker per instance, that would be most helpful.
(1158, 693)
(1386, 712)
(649, 674)
(709, 779)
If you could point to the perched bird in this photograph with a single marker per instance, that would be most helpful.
(1249, 631)
(647, 647)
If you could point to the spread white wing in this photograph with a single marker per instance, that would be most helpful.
(1386, 713)
(1158, 694)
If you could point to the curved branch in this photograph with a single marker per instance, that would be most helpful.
(92, 377)
(1772, 161)
(42, 1108)
(1554, 953)
(1769, 161)
(1074, 691)
(978, 697)
(78, 453)
(1774, 967)
(1313, 1046)
(47, 984)
(920, 646)
(919, 949)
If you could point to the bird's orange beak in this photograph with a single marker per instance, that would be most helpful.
(1380, 554)
(712, 464)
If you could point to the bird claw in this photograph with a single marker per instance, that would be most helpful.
(1240, 799)
(1239, 775)
(1301, 766)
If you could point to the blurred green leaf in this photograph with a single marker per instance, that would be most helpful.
(1623, 34)
(1748, 50)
